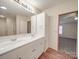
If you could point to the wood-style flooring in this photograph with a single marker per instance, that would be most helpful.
(53, 54)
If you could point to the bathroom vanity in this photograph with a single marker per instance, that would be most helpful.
(27, 50)
(23, 31)
(28, 47)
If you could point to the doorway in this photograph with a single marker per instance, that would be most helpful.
(68, 33)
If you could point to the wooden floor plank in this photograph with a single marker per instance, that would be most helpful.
(53, 54)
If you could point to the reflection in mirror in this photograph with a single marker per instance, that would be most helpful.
(14, 19)
(22, 24)
(7, 26)
(15, 25)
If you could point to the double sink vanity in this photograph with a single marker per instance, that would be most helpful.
(22, 48)
(26, 46)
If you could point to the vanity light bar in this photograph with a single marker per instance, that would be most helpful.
(2, 7)
(18, 1)
(27, 6)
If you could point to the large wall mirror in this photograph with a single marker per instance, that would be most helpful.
(14, 19)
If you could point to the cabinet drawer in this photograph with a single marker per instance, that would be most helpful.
(38, 48)
(10, 55)
(25, 52)
(32, 50)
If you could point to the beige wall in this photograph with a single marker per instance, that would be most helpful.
(7, 26)
(65, 7)
(11, 26)
(2, 27)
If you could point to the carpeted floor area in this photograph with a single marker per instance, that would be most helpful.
(68, 46)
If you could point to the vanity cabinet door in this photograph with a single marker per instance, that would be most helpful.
(41, 23)
(24, 52)
(38, 48)
(34, 24)
(10, 55)
(31, 51)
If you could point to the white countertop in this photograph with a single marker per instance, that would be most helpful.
(9, 45)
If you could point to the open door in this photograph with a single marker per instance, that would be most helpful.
(68, 33)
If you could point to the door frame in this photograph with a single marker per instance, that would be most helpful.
(59, 23)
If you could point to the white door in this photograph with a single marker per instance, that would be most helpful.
(33, 24)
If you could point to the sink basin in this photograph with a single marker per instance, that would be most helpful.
(9, 42)
(14, 43)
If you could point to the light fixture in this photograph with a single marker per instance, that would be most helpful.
(27, 6)
(2, 7)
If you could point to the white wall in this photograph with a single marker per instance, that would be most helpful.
(65, 7)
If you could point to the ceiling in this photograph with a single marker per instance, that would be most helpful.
(13, 9)
(68, 18)
(44, 4)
